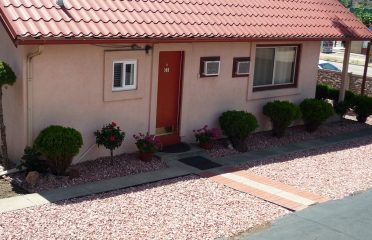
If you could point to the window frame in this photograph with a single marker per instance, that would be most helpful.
(236, 62)
(203, 61)
(297, 65)
(125, 87)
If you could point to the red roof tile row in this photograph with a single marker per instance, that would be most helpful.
(158, 19)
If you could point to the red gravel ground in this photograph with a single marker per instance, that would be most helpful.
(264, 140)
(335, 171)
(96, 170)
(183, 208)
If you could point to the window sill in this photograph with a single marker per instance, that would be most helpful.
(208, 76)
(274, 87)
(240, 75)
(123, 89)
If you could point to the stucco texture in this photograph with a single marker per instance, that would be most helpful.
(14, 99)
(72, 87)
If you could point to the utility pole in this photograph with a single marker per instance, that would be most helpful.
(366, 68)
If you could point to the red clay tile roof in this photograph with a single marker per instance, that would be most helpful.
(180, 19)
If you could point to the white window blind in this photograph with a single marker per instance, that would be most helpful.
(275, 66)
(124, 75)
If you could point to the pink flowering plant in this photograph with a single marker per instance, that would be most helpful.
(147, 143)
(205, 135)
(110, 136)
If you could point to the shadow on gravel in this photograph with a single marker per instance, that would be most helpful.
(8, 189)
(282, 158)
(308, 153)
(129, 190)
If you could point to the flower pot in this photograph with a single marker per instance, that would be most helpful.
(146, 156)
(206, 146)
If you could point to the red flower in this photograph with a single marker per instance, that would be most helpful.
(112, 138)
(113, 124)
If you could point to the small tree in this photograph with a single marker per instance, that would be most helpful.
(7, 77)
(111, 137)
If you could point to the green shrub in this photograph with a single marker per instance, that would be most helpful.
(341, 108)
(281, 114)
(237, 125)
(322, 91)
(31, 161)
(362, 107)
(59, 145)
(333, 94)
(349, 96)
(7, 76)
(315, 112)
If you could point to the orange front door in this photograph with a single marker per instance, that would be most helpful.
(169, 97)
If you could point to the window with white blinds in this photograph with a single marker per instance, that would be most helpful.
(124, 75)
(275, 65)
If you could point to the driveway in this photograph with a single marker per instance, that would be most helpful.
(356, 69)
(346, 219)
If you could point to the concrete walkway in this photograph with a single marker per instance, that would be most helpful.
(176, 169)
(267, 189)
(346, 219)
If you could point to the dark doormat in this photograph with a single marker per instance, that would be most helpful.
(176, 148)
(199, 162)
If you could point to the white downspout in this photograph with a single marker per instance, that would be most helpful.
(30, 56)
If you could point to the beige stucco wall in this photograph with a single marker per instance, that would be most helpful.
(204, 99)
(14, 96)
(72, 87)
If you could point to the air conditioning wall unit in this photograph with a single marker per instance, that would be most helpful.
(211, 68)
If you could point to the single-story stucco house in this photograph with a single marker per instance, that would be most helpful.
(159, 66)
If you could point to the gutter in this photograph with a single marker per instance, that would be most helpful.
(29, 124)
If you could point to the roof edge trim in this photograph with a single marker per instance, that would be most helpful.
(12, 34)
(54, 41)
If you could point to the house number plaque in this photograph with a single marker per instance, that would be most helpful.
(166, 68)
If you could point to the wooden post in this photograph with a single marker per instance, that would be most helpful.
(365, 69)
(345, 69)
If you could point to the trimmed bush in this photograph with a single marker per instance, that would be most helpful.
(322, 91)
(341, 108)
(31, 161)
(362, 107)
(333, 94)
(315, 112)
(237, 125)
(281, 114)
(59, 145)
(349, 96)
